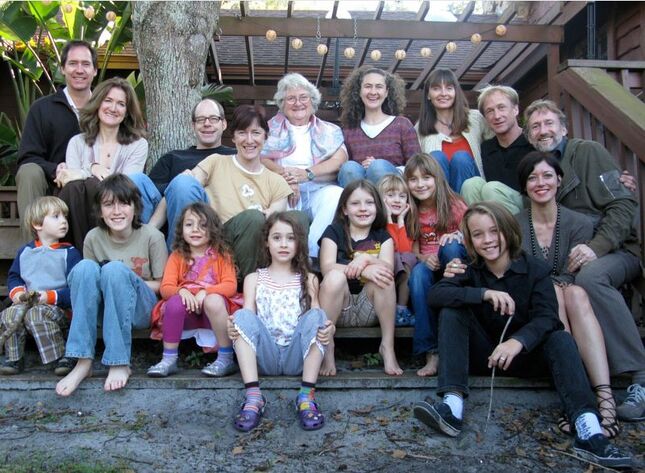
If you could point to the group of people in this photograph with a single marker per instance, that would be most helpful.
(503, 247)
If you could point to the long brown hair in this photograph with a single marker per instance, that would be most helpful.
(300, 262)
(214, 232)
(444, 196)
(428, 114)
(130, 129)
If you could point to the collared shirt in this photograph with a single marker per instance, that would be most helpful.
(500, 163)
(526, 280)
(558, 152)
(70, 101)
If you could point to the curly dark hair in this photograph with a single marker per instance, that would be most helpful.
(214, 232)
(131, 128)
(300, 263)
(352, 104)
(428, 114)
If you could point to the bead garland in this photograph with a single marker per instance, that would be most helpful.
(534, 243)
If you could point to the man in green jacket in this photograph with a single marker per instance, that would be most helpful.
(610, 259)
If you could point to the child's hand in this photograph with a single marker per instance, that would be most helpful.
(504, 353)
(189, 301)
(450, 237)
(326, 333)
(367, 162)
(233, 334)
(454, 267)
(502, 301)
(379, 275)
(432, 262)
(400, 219)
(356, 266)
(388, 213)
(17, 299)
(199, 297)
(42, 297)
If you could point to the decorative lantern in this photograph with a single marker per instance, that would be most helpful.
(296, 43)
(68, 8)
(89, 12)
(46, 2)
(500, 30)
(375, 55)
(321, 49)
(476, 38)
(426, 52)
(110, 16)
(400, 54)
(349, 52)
(271, 35)
(451, 47)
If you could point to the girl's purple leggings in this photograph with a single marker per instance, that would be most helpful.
(176, 319)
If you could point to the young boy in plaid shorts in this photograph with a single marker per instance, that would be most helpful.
(38, 289)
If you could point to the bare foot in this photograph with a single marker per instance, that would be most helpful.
(328, 366)
(432, 364)
(117, 377)
(69, 383)
(391, 366)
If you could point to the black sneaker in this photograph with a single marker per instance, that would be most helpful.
(439, 417)
(63, 366)
(12, 367)
(597, 449)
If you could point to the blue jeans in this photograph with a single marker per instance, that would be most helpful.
(353, 170)
(464, 346)
(461, 167)
(421, 280)
(150, 195)
(123, 297)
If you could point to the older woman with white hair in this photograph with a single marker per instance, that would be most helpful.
(307, 152)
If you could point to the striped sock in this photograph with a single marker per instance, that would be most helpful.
(170, 354)
(253, 401)
(306, 395)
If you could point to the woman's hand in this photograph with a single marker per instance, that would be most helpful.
(65, 175)
(188, 300)
(233, 334)
(367, 162)
(454, 267)
(356, 266)
(99, 171)
(378, 274)
(326, 333)
(504, 353)
(294, 198)
(579, 256)
(432, 262)
(294, 175)
(502, 301)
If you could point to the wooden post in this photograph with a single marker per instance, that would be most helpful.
(553, 61)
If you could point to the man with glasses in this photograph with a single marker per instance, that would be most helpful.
(209, 123)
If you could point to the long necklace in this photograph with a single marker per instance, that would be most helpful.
(534, 242)
(447, 125)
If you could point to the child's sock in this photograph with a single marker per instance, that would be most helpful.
(456, 404)
(306, 395)
(253, 401)
(170, 355)
(225, 355)
(587, 425)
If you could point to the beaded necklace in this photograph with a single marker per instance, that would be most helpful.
(534, 242)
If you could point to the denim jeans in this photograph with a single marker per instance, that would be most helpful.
(459, 168)
(421, 280)
(353, 170)
(150, 195)
(464, 344)
(123, 297)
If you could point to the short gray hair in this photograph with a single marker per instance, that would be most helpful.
(542, 106)
(293, 80)
(509, 92)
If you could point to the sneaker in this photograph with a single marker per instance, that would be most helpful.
(597, 449)
(163, 369)
(439, 417)
(219, 369)
(12, 367)
(633, 407)
(404, 317)
(63, 366)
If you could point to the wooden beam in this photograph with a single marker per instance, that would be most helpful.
(423, 10)
(287, 40)
(323, 62)
(218, 69)
(470, 7)
(478, 50)
(602, 64)
(552, 63)
(390, 29)
(366, 44)
(248, 41)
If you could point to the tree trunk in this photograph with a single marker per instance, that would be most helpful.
(172, 40)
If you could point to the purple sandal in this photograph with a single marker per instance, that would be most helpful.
(247, 420)
(310, 419)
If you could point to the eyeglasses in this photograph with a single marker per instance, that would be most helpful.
(202, 120)
(292, 99)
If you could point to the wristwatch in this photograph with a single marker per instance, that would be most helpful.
(310, 174)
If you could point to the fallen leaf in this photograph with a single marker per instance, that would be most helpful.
(399, 454)
(237, 450)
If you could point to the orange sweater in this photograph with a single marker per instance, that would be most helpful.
(402, 242)
(219, 267)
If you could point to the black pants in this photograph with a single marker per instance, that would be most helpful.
(79, 197)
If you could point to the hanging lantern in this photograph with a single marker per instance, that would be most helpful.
(110, 16)
(271, 35)
(89, 12)
(296, 43)
(476, 38)
(321, 49)
(68, 8)
(400, 54)
(500, 30)
(375, 55)
(349, 52)
(46, 2)
(426, 52)
(451, 47)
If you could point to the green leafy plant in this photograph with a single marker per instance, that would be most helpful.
(372, 360)
(195, 359)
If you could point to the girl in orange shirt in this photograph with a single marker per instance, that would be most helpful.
(197, 286)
